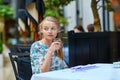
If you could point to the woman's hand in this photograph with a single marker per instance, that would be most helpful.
(56, 45)
(53, 47)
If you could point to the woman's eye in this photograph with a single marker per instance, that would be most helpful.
(54, 28)
(45, 28)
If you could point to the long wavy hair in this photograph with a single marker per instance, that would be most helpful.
(59, 53)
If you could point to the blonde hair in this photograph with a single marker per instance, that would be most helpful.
(59, 53)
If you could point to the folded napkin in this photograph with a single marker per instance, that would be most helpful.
(116, 64)
(83, 67)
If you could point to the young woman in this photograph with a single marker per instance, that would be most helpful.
(46, 54)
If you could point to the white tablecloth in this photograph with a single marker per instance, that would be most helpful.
(100, 72)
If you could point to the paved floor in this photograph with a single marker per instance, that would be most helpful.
(6, 72)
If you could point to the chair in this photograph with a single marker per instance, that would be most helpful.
(22, 48)
(93, 47)
(21, 65)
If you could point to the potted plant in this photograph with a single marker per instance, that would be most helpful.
(6, 11)
(55, 8)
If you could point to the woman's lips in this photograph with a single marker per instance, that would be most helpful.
(50, 35)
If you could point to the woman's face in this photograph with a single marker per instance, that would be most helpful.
(49, 30)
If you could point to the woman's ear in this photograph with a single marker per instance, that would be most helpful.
(41, 31)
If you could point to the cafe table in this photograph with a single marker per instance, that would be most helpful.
(98, 71)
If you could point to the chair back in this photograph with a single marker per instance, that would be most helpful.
(20, 60)
(21, 65)
(93, 47)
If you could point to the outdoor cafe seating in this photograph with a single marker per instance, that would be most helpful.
(83, 49)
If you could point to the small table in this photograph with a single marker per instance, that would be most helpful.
(102, 71)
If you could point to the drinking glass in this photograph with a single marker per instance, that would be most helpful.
(57, 40)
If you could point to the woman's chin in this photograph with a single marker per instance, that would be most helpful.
(50, 39)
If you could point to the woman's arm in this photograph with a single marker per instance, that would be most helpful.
(45, 67)
(47, 61)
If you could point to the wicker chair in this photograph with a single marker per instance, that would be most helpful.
(21, 65)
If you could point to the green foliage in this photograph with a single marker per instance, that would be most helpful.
(1, 48)
(57, 3)
(6, 11)
(109, 5)
(54, 8)
(50, 13)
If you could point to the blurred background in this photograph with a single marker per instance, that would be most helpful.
(19, 21)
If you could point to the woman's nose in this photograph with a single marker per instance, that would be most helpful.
(49, 30)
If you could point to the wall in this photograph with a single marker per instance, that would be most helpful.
(85, 16)
(70, 14)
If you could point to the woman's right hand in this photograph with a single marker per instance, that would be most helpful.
(55, 46)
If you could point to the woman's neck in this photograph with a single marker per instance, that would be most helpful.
(46, 42)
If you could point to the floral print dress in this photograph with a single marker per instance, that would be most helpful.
(37, 54)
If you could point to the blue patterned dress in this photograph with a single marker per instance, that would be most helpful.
(37, 54)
